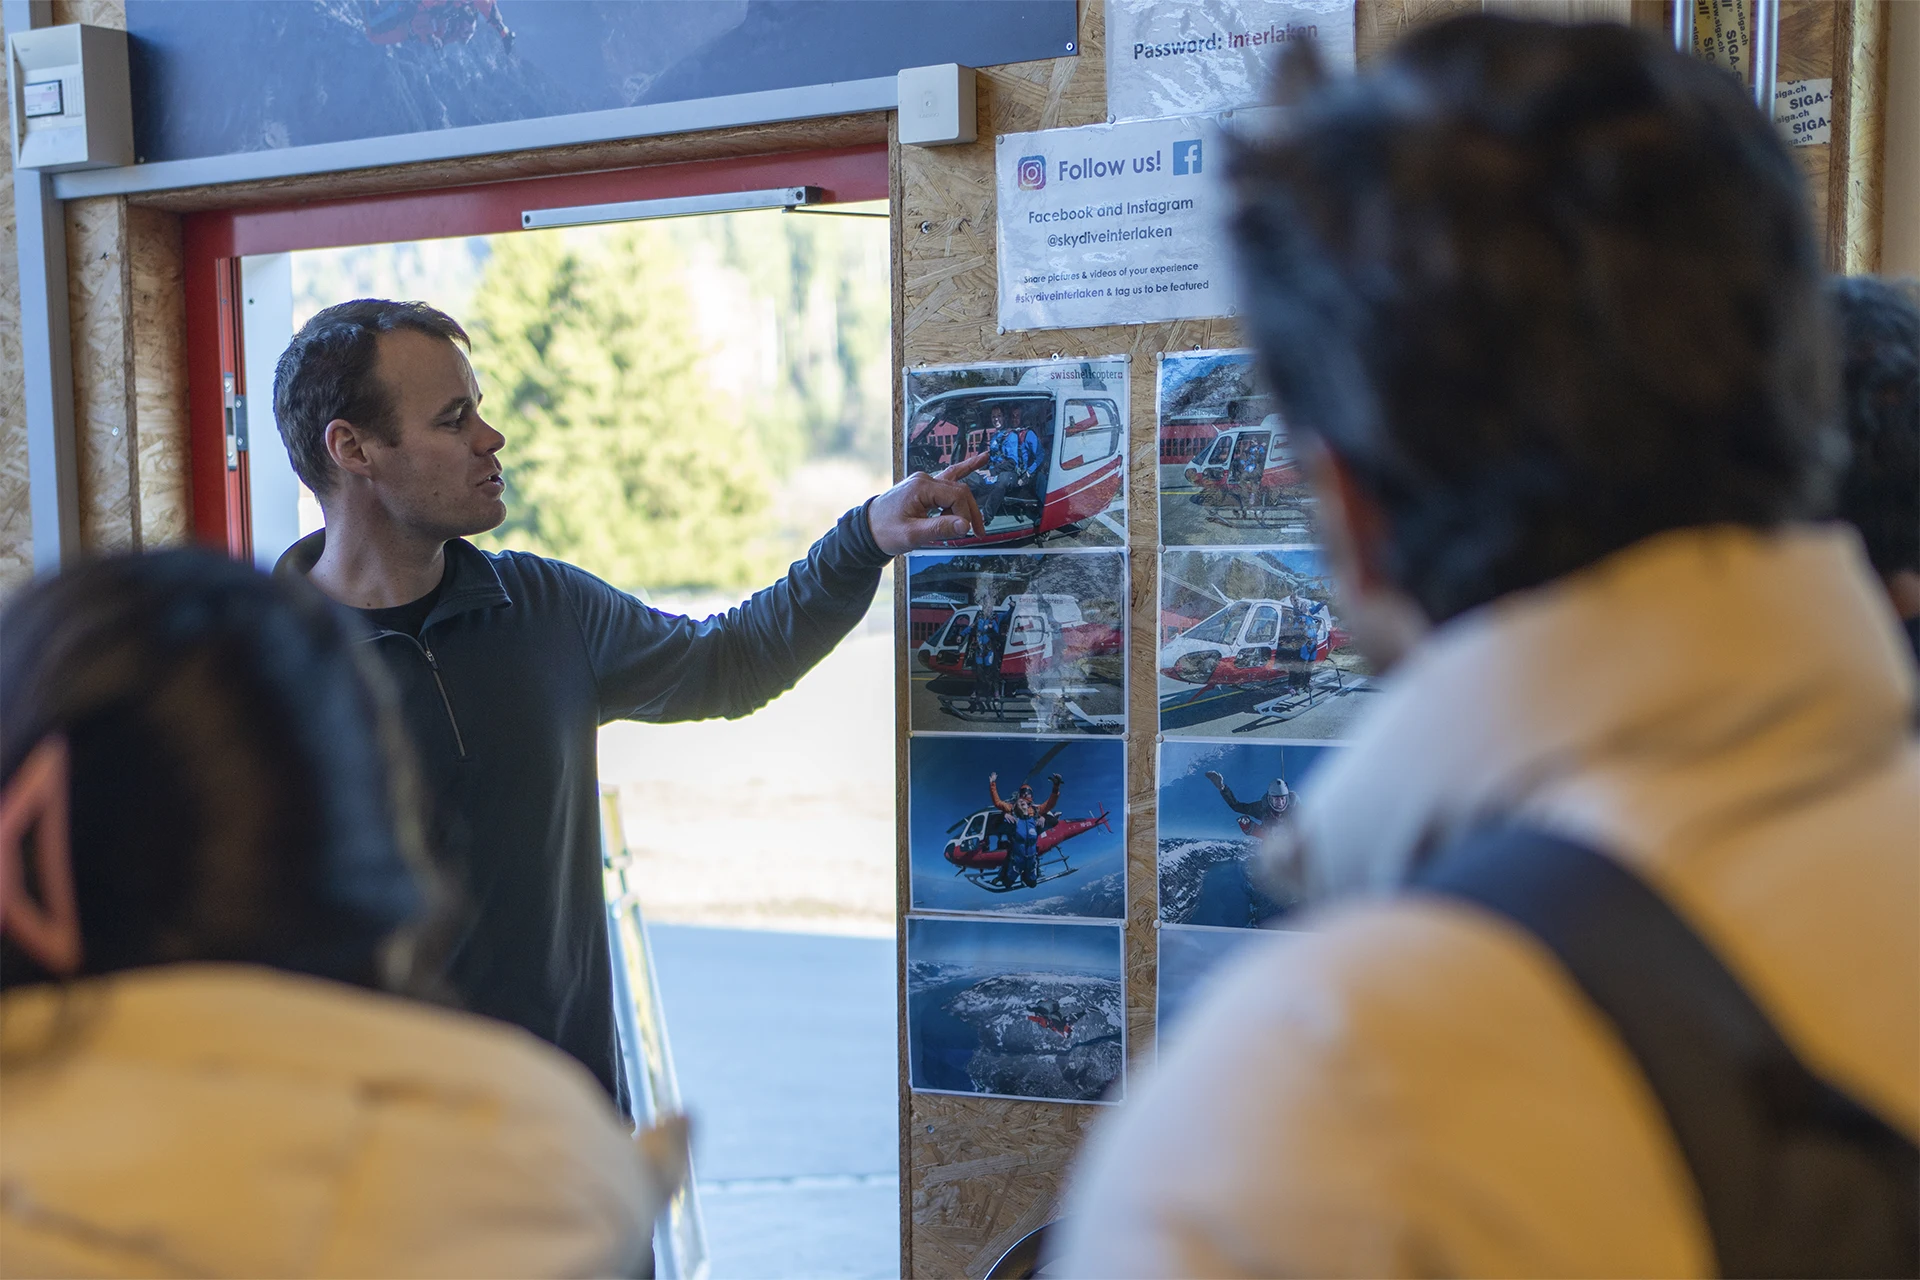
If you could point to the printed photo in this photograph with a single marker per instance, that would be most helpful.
(1055, 436)
(1018, 826)
(1249, 646)
(1022, 643)
(1221, 805)
(1016, 1009)
(1227, 471)
(1189, 955)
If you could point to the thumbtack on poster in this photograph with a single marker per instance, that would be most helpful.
(72, 108)
(937, 105)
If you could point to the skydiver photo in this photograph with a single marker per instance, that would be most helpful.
(1249, 646)
(1223, 805)
(1019, 826)
(1016, 1009)
(1227, 470)
(1189, 955)
(1018, 643)
(1055, 436)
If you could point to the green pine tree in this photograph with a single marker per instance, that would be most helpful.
(620, 455)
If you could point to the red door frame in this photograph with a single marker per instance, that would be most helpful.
(214, 242)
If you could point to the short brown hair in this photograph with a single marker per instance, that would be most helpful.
(326, 372)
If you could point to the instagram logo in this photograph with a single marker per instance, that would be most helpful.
(1033, 172)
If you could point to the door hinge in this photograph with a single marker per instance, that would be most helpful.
(234, 405)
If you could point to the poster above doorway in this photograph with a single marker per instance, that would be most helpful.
(379, 68)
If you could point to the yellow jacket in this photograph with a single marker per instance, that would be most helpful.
(228, 1120)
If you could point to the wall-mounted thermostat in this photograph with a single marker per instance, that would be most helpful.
(937, 106)
(71, 105)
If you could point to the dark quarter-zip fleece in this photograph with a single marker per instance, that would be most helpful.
(519, 663)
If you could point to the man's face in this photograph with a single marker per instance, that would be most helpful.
(999, 422)
(440, 476)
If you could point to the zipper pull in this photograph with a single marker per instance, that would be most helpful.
(432, 662)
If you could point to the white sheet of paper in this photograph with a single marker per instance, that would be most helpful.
(1112, 224)
(1197, 57)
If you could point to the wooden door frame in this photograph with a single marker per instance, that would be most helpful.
(213, 241)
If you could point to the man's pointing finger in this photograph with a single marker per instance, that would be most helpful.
(964, 467)
(958, 499)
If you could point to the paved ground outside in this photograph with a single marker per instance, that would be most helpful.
(784, 1043)
(765, 856)
(783, 820)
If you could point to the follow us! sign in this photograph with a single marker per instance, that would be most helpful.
(1111, 224)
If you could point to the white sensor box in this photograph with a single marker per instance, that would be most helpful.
(72, 107)
(937, 105)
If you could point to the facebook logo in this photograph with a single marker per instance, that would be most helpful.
(1186, 157)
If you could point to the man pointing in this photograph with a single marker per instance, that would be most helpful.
(507, 663)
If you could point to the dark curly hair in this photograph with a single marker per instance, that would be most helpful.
(241, 787)
(1546, 290)
(1880, 350)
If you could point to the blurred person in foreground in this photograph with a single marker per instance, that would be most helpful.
(508, 663)
(1880, 492)
(1544, 304)
(212, 912)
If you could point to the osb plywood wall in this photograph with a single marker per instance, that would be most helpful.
(129, 370)
(979, 1173)
(129, 359)
(129, 374)
(16, 515)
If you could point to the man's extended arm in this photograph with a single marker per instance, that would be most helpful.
(650, 665)
(1053, 798)
(658, 666)
(993, 793)
(1238, 806)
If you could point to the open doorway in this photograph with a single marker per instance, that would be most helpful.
(688, 404)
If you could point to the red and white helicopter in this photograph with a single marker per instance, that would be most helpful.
(979, 845)
(1042, 631)
(1253, 642)
(1246, 473)
(1081, 426)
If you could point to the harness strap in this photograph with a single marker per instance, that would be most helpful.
(1795, 1177)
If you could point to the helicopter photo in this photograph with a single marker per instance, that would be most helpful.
(1039, 630)
(1018, 643)
(1056, 436)
(1249, 642)
(985, 843)
(1045, 842)
(1227, 469)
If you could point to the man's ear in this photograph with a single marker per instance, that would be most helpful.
(1382, 618)
(346, 445)
(35, 802)
(1352, 526)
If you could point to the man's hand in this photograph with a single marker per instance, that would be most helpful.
(922, 509)
(1055, 779)
(1215, 778)
(993, 777)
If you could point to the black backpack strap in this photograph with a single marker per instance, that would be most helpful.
(1795, 1177)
